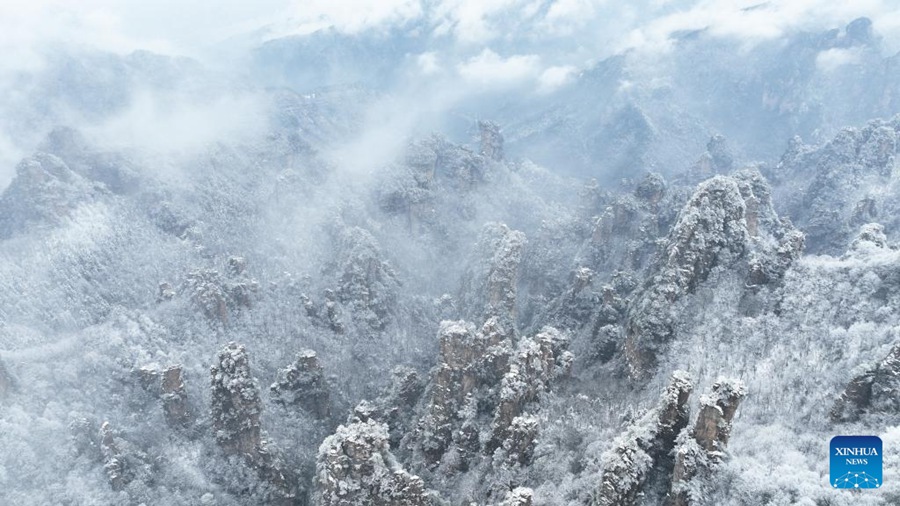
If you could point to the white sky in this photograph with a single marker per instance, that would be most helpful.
(187, 27)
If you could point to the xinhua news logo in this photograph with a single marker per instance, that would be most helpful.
(856, 462)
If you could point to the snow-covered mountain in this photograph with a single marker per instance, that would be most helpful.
(368, 267)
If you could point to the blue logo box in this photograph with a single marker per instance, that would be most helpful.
(856, 462)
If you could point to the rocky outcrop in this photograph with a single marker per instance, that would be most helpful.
(729, 221)
(236, 405)
(645, 448)
(217, 296)
(874, 389)
(122, 461)
(538, 362)
(519, 496)
(168, 384)
(704, 447)
(490, 285)
(480, 392)
(491, 140)
(367, 286)
(45, 191)
(717, 159)
(355, 466)
(303, 384)
(830, 190)
(235, 412)
(469, 360)
(871, 235)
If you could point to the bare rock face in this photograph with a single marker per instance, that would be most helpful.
(235, 410)
(646, 447)
(218, 296)
(834, 188)
(236, 405)
(874, 389)
(168, 384)
(699, 451)
(303, 384)
(729, 220)
(491, 140)
(625, 232)
(479, 394)
(468, 360)
(489, 288)
(355, 466)
(538, 362)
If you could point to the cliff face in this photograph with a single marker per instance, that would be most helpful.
(830, 190)
(729, 223)
(646, 448)
(235, 411)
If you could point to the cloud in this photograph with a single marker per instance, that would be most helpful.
(750, 21)
(829, 60)
(428, 63)
(555, 77)
(173, 123)
(489, 69)
(346, 16)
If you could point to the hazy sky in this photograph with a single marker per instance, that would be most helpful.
(535, 44)
(189, 27)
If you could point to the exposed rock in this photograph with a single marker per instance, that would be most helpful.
(874, 389)
(729, 219)
(216, 296)
(538, 362)
(700, 451)
(520, 440)
(645, 448)
(236, 405)
(491, 140)
(355, 466)
(235, 412)
(168, 384)
(468, 360)
(489, 288)
(303, 384)
(829, 189)
(480, 391)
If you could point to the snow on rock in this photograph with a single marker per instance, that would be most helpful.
(355, 466)
(168, 384)
(705, 446)
(235, 410)
(303, 384)
(875, 389)
(489, 288)
(645, 448)
(729, 221)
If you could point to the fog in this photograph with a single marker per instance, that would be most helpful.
(440, 252)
